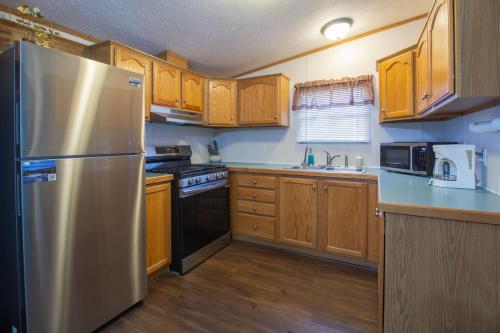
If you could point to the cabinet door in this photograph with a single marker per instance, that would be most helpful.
(259, 101)
(343, 217)
(138, 63)
(396, 87)
(166, 85)
(422, 92)
(298, 212)
(158, 226)
(373, 247)
(193, 91)
(440, 36)
(222, 102)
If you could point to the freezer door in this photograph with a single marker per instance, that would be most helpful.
(72, 106)
(83, 222)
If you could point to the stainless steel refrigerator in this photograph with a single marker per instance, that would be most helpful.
(72, 219)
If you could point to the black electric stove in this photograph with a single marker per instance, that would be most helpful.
(200, 204)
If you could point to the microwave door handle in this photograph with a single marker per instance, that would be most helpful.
(184, 193)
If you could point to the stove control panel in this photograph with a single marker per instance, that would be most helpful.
(201, 179)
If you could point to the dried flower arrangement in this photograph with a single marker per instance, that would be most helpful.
(32, 29)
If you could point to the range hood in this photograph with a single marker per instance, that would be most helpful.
(162, 114)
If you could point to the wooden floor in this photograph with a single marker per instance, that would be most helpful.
(246, 288)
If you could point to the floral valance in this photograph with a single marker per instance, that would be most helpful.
(333, 93)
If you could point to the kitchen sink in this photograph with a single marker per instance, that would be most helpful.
(325, 168)
(343, 169)
(305, 167)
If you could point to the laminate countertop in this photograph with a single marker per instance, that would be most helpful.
(153, 178)
(406, 194)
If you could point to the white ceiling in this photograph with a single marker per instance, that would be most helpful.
(222, 37)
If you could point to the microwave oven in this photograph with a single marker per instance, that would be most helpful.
(409, 157)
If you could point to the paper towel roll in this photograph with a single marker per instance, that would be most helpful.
(485, 127)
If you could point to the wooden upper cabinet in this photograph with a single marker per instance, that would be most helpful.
(343, 217)
(121, 56)
(440, 34)
(222, 102)
(264, 100)
(139, 63)
(396, 87)
(158, 226)
(298, 212)
(422, 92)
(166, 85)
(193, 91)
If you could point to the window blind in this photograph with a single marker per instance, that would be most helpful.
(334, 110)
(335, 124)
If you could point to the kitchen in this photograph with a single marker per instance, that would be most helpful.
(310, 212)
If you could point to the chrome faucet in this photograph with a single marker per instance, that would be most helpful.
(304, 162)
(330, 158)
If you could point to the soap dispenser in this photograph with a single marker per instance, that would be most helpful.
(359, 162)
(310, 157)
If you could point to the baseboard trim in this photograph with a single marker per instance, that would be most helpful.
(309, 253)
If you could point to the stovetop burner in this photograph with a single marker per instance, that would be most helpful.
(188, 170)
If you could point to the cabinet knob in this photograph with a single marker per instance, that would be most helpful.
(275, 117)
(254, 196)
(184, 101)
(314, 188)
(382, 110)
(325, 188)
(177, 100)
(254, 227)
(378, 213)
(254, 209)
(255, 182)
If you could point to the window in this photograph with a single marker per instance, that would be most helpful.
(337, 124)
(334, 110)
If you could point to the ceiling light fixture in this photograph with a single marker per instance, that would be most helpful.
(337, 29)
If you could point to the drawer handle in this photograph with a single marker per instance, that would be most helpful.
(254, 228)
(424, 96)
(254, 196)
(254, 182)
(254, 209)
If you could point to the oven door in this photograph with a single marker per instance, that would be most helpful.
(396, 157)
(203, 215)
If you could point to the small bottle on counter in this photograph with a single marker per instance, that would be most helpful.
(359, 162)
(310, 157)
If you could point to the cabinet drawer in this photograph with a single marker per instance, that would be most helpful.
(252, 194)
(259, 226)
(257, 181)
(257, 208)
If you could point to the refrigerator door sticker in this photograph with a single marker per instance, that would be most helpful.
(134, 82)
(39, 171)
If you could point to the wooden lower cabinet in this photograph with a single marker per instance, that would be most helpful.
(328, 217)
(298, 212)
(158, 226)
(258, 226)
(343, 217)
(440, 275)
